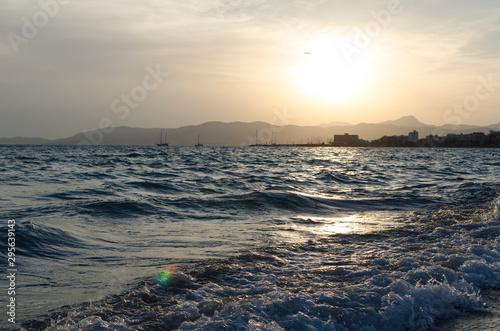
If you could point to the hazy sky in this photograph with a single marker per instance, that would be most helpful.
(72, 65)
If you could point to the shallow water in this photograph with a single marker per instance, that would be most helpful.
(253, 238)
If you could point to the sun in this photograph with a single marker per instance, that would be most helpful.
(325, 74)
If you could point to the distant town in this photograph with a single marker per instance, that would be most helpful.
(475, 139)
(406, 131)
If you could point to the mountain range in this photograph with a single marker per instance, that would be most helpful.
(244, 134)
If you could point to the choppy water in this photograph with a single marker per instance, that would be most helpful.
(252, 238)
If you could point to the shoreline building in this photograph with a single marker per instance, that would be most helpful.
(413, 136)
(345, 139)
(471, 139)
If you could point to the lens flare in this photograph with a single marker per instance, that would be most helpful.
(164, 278)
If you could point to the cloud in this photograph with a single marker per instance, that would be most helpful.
(484, 45)
(92, 51)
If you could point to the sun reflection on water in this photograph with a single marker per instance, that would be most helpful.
(304, 227)
(341, 227)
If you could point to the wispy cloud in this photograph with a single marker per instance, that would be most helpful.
(93, 49)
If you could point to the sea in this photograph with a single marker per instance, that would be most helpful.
(250, 238)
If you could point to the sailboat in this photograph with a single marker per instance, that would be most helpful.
(273, 138)
(256, 141)
(162, 143)
(198, 144)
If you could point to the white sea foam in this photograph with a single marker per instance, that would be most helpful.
(339, 239)
(386, 281)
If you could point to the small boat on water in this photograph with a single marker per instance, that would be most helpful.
(162, 142)
(198, 144)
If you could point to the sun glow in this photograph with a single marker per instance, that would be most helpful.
(326, 74)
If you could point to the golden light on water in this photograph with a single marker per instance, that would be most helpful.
(338, 226)
(302, 228)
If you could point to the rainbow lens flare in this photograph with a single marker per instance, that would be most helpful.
(165, 276)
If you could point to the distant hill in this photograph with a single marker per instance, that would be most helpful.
(326, 125)
(244, 134)
(409, 121)
(24, 141)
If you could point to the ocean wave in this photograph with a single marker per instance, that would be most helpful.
(42, 241)
(117, 208)
(403, 279)
(262, 238)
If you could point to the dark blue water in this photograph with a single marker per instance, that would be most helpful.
(147, 238)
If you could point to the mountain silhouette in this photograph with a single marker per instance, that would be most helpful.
(244, 134)
(410, 121)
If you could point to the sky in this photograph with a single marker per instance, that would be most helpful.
(68, 66)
